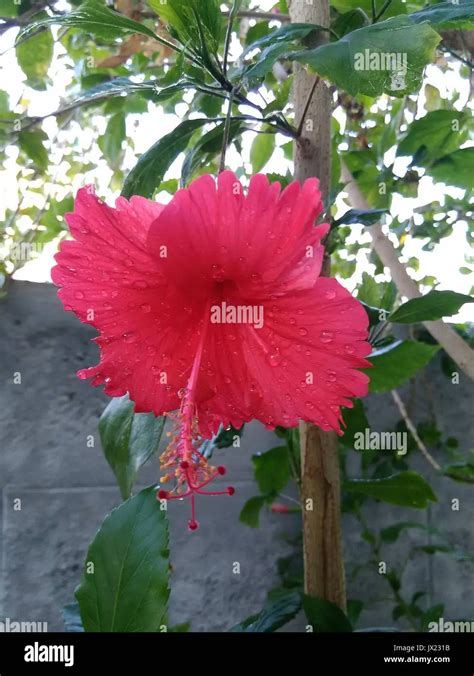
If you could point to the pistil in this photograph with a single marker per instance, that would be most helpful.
(181, 458)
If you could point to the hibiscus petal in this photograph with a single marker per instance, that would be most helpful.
(109, 280)
(213, 234)
(302, 364)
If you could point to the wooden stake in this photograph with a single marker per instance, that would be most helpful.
(320, 481)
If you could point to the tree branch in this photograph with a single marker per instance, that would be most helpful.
(411, 427)
(267, 16)
(449, 340)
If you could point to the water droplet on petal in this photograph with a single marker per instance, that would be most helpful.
(78, 295)
(330, 294)
(218, 272)
(332, 376)
(274, 358)
(309, 404)
(350, 349)
(302, 331)
(146, 308)
(326, 336)
(129, 337)
(151, 350)
(165, 359)
(255, 277)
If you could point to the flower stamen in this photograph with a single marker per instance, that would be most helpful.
(187, 465)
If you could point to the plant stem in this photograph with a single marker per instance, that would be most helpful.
(225, 140)
(228, 35)
(374, 11)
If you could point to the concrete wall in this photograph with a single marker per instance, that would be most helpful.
(66, 488)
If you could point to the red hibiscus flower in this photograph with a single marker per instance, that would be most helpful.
(212, 306)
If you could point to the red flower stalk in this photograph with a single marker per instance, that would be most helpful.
(213, 307)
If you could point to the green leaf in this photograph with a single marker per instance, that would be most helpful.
(277, 43)
(129, 439)
(182, 628)
(272, 470)
(124, 586)
(150, 169)
(35, 57)
(226, 436)
(192, 20)
(284, 35)
(460, 471)
(391, 534)
(356, 421)
(265, 60)
(250, 514)
(116, 87)
(455, 169)
(350, 21)
(325, 616)
(365, 217)
(354, 609)
(444, 14)
(53, 219)
(406, 489)
(111, 142)
(433, 306)
(369, 291)
(347, 63)
(397, 363)
(94, 17)
(31, 142)
(280, 608)
(261, 151)
(434, 135)
(206, 148)
(396, 7)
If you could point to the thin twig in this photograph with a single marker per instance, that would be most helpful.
(374, 11)
(306, 106)
(458, 56)
(409, 423)
(383, 10)
(228, 35)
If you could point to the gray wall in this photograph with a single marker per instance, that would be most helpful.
(66, 488)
